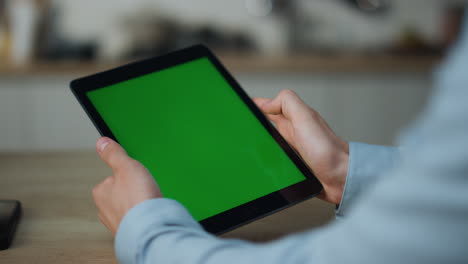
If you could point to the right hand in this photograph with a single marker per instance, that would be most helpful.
(323, 151)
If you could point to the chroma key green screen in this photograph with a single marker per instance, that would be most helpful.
(196, 136)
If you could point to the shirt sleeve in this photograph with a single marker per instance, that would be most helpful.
(156, 214)
(415, 213)
(366, 164)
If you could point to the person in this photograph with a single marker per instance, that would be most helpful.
(396, 205)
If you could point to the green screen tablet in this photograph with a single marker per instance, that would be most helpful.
(203, 144)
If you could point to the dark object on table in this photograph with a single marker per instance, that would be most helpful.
(10, 213)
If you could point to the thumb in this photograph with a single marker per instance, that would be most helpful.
(288, 104)
(111, 153)
(260, 102)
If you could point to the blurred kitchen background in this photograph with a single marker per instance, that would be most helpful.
(365, 65)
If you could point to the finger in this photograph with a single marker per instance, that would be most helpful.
(276, 118)
(262, 101)
(102, 189)
(112, 153)
(288, 104)
(259, 101)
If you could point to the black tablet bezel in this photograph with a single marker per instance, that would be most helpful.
(234, 217)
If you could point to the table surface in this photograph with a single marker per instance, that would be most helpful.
(60, 223)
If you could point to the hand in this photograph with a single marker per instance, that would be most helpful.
(130, 185)
(325, 153)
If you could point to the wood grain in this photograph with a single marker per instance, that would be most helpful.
(60, 223)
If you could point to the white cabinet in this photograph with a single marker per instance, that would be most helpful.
(40, 113)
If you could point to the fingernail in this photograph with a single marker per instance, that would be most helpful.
(102, 144)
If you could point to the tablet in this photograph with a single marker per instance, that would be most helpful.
(208, 146)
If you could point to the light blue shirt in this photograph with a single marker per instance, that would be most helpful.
(410, 207)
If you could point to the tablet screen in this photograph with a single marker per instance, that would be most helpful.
(196, 136)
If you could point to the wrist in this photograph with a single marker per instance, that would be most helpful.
(336, 178)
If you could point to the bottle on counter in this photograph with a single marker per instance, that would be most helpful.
(22, 20)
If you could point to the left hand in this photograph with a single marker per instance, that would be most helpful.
(130, 185)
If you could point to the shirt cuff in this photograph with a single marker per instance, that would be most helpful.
(366, 164)
(148, 215)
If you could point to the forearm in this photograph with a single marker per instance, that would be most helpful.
(162, 231)
(154, 229)
(399, 222)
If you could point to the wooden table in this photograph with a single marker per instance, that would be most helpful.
(60, 223)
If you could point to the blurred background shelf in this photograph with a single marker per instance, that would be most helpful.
(253, 64)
